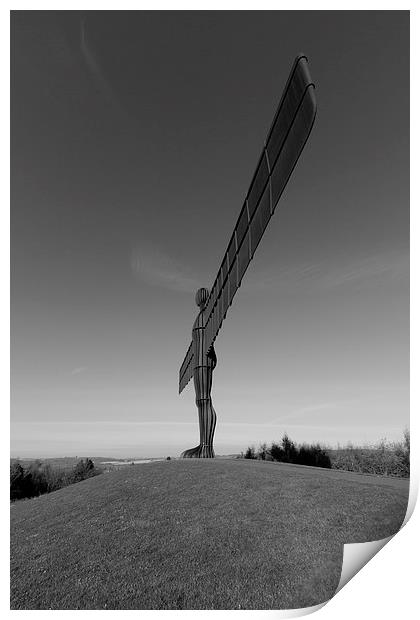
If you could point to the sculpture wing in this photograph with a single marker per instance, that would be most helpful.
(286, 138)
(187, 368)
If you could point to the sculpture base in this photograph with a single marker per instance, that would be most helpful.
(199, 452)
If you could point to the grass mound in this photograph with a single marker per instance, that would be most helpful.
(197, 534)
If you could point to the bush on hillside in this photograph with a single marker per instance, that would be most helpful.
(313, 455)
(82, 470)
(250, 453)
(262, 452)
(402, 452)
(20, 482)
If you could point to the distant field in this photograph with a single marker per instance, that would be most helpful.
(197, 534)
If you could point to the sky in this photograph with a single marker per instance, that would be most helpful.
(129, 131)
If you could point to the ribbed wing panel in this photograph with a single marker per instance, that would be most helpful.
(288, 134)
(187, 368)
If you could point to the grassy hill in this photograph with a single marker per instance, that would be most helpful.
(197, 534)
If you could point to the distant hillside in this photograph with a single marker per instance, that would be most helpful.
(197, 534)
(68, 462)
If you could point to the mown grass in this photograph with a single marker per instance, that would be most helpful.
(206, 534)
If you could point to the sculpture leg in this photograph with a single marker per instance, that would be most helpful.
(207, 418)
(206, 415)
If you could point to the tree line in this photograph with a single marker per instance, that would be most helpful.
(383, 458)
(37, 477)
(288, 452)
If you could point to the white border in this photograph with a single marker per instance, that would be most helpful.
(386, 586)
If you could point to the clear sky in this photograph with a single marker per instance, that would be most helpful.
(132, 130)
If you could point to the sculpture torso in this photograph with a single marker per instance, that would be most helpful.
(201, 357)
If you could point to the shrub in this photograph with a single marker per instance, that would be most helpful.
(402, 452)
(250, 453)
(289, 450)
(83, 469)
(20, 482)
(276, 452)
(262, 452)
(38, 477)
(313, 455)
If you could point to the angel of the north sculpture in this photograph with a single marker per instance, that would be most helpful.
(286, 138)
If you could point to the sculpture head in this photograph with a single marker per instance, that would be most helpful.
(201, 297)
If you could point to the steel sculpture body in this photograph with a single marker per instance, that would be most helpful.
(204, 364)
(286, 138)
